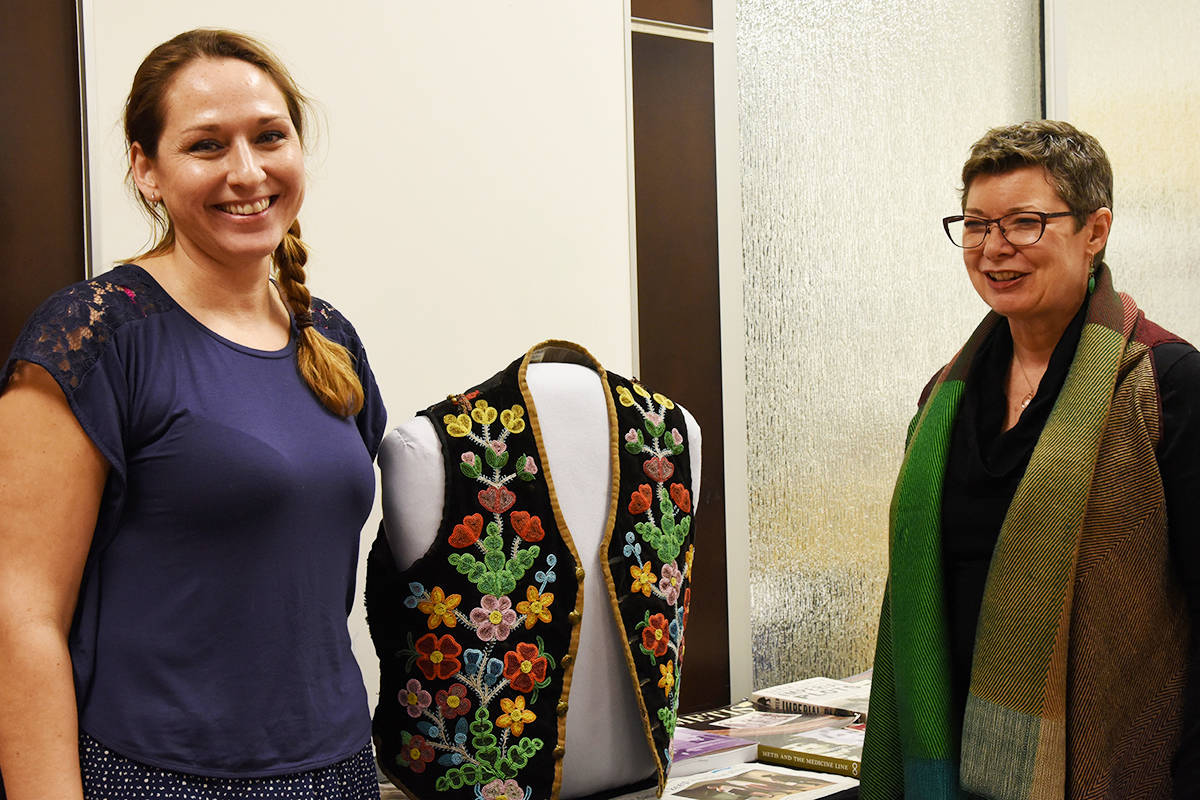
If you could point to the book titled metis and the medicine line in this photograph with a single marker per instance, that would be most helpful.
(824, 730)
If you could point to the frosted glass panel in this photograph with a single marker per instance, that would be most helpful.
(855, 120)
(1133, 80)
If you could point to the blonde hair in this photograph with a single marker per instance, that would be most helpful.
(327, 367)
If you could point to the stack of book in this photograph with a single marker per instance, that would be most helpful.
(754, 782)
(817, 724)
(698, 750)
(847, 697)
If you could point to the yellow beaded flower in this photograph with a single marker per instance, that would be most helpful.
(516, 716)
(440, 608)
(536, 606)
(643, 579)
(667, 681)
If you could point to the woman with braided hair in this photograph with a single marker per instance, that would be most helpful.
(186, 447)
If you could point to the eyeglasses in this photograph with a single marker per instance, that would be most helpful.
(1020, 228)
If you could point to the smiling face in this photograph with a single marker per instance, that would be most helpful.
(229, 165)
(1040, 285)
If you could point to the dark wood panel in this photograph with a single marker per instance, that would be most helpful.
(679, 327)
(41, 163)
(697, 13)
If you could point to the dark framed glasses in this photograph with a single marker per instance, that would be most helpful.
(1020, 228)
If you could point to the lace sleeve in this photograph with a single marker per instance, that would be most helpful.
(70, 333)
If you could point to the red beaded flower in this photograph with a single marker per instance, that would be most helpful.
(438, 657)
(454, 701)
(525, 667)
(655, 637)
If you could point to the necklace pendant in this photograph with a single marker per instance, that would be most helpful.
(1026, 400)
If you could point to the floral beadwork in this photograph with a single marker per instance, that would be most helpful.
(440, 608)
(476, 655)
(474, 729)
(661, 510)
(498, 570)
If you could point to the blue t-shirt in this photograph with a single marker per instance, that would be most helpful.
(210, 633)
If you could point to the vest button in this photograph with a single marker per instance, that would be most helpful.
(558, 752)
(566, 660)
(574, 617)
(562, 709)
(580, 572)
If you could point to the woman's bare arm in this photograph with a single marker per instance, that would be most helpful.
(51, 480)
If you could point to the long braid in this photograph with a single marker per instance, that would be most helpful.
(326, 366)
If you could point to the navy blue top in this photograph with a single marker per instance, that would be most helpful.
(210, 633)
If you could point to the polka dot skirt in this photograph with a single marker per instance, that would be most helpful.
(109, 776)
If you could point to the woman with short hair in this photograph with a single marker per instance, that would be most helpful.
(1035, 639)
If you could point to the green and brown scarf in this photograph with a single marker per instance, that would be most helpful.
(1080, 657)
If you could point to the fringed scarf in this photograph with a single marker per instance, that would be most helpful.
(1092, 478)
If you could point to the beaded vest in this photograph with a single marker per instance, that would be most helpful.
(477, 639)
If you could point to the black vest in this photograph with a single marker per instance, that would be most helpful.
(477, 639)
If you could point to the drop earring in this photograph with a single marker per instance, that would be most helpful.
(1091, 280)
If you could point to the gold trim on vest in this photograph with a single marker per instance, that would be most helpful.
(477, 639)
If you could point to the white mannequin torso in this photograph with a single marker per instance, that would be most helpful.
(605, 744)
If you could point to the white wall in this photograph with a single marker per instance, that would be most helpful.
(1130, 78)
(733, 344)
(469, 187)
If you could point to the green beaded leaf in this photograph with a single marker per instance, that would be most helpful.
(518, 755)
(481, 729)
(505, 583)
(471, 470)
(647, 530)
(666, 541)
(523, 473)
(489, 583)
(410, 653)
(669, 719)
(453, 779)
(494, 560)
(525, 558)
(494, 459)
(458, 777)
(668, 548)
(637, 446)
(549, 658)
(467, 565)
(528, 746)
(488, 756)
